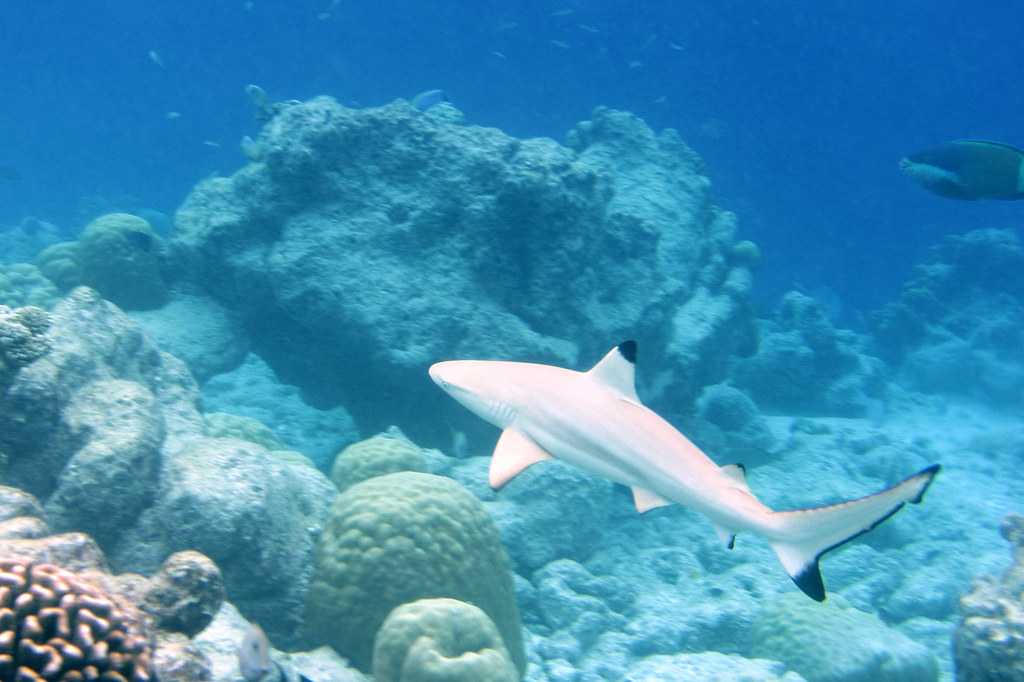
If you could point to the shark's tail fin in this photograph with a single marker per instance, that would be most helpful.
(805, 534)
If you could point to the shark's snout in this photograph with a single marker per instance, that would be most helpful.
(446, 375)
(436, 371)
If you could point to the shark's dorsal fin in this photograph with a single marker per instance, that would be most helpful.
(738, 473)
(617, 369)
(513, 453)
(645, 500)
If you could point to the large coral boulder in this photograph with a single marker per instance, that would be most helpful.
(119, 255)
(440, 640)
(384, 239)
(255, 514)
(835, 642)
(401, 537)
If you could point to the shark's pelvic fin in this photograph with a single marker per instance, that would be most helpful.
(617, 369)
(727, 537)
(812, 532)
(513, 453)
(645, 500)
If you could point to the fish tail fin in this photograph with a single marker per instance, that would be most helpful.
(802, 536)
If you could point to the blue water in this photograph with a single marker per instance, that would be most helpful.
(800, 109)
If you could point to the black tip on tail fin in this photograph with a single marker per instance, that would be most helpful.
(628, 350)
(930, 472)
(810, 582)
(838, 524)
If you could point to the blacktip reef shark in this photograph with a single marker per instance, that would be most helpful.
(594, 420)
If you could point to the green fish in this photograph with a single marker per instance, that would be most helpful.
(969, 169)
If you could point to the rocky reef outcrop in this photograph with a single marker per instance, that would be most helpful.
(806, 365)
(103, 428)
(383, 239)
(958, 326)
(989, 641)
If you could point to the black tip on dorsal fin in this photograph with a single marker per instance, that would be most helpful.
(628, 350)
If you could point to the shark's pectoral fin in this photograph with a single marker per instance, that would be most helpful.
(645, 500)
(513, 453)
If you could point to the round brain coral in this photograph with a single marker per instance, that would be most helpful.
(59, 264)
(440, 640)
(385, 453)
(119, 256)
(397, 538)
(56, 627)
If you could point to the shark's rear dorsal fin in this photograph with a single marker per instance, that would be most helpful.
(738, 473)
(513, 453)
(617, 369)
(726, 537)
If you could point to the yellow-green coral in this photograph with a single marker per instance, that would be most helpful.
(59, 264)
(385, 453)
(223, 425)
(397, 538)
(440, 640)
(119, 256)
(835, 642)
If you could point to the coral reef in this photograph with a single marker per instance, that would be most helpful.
(732, 427)
(805, 365)
(385, 453)
(103, 428)
(435, 640)
(221, 425)
(24, 241)
(709, 666)
(253, 390)
(219, 642)
(21, 284)
(548, 512)
(119, 256)
(22, 338)
(185, 594)
(254, 514)
(835, 642)
(59, 264)
(199, 331)
(989, 641)
(382, 239)
(56, 626)
(957, 326)
(397, 538)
